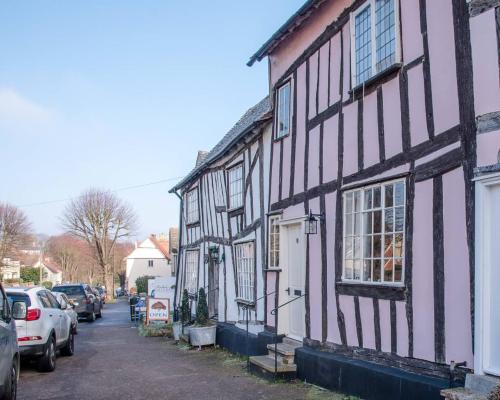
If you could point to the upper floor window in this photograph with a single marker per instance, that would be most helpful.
(192, 211)
(245, 270)
(374, 39)
(191, 271)
(150, 263)
(235, 178)
(284, 107)
(374, 225)
(274, 242)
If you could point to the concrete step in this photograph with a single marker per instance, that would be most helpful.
(267, 363)
(285, 352)
(481, 383)
(462, 394)
(292, 342)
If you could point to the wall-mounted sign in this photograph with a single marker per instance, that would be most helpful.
(158, 309)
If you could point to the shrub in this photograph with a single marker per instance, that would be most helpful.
(47, 284)
(185, 310)
(141, 284)
(202, 308)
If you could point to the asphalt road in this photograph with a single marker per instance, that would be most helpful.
(112, 361)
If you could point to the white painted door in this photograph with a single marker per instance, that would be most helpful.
(296, 281)
(491, 316)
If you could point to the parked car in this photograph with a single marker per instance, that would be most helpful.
(98, 295)
(43, 327)
(9, 350)
(69, 309)
(87, 305)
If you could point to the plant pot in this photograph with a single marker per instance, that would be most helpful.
(177, 330)
(202, 335)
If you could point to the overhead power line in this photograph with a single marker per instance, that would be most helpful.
(42, 203)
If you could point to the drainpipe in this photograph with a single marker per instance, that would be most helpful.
(181, 210)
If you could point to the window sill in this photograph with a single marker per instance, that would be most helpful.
(192, 224)
(245, 302)
(235, 211)
(280, 138)
(272, 269)
(378, 291)
(375, 79)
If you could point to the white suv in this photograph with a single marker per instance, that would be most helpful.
(43, 327)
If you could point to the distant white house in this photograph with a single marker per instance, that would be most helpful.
(10, 269)
(149, 258)
(50, 271)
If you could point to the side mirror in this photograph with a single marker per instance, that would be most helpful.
(19, 310)
(64, 305)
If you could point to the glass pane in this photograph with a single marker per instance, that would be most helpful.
(348, 224)
(368, 199)
(398, 245)
(363, 42)
(348, 247)
(388, 246)
(376, 197)
(377, 221)
(398, 270)
(389, 220)
(357, 223)
(377, 243)
(348, 203)
(357, 200)
(367, 247)
(385, 38)
(388, 270)
(367, 222)
(389, 196)
(357, 270)
(400, 219)
(348, 269)
(376, 270)
(367, 270)
(357, 247)
(399, 197)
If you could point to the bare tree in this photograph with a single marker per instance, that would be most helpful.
(101, 219)
(14, 228)
(120, 264)
(70, 253)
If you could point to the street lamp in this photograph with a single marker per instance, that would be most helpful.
(311, 222)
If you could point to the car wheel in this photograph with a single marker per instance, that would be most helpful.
(91, 317)
(10, 392)
(69, 348)
(100, 313)
(47, 362)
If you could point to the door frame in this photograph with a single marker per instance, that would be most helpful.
(284, 313)
(483, 264)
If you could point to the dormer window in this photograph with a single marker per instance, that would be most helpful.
(374, 39)
(284, 107)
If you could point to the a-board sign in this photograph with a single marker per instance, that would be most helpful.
(158, 310)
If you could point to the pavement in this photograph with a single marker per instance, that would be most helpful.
(112, 361)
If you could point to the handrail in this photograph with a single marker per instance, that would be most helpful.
(245, 306)
(274, 310)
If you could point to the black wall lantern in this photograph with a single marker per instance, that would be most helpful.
(213, 255)
(311, 226)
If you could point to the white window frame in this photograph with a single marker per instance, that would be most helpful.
(230, 193)
(397, 34)
(273, 220)
(281, 134)
(192, 264)
(383, 208)
(192, 217)
(245, 272)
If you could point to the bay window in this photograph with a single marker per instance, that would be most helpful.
(284, 110)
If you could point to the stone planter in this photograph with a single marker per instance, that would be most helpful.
(202, 335)
(177, 330)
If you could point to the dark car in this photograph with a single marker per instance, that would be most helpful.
(9, 351)
(82, 297)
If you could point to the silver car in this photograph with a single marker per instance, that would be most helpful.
(9, 351)
(69, 309)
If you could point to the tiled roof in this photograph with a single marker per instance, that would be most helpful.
(254, 115)
(161, 245)
(52, 266)
(288, 27)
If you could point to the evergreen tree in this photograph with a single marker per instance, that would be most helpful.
(185, 311)
(202, 308)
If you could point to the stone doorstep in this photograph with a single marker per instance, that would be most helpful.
(462, 394)
(267, 363)
(292, 342)
(483, 384)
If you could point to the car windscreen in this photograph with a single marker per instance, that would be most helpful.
(14, 296)
(70, 290)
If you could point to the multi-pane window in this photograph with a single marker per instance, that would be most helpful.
(245, 270)
(284, 106)
(374, 39)
(191, 271)
(192, 211)
(274, 242)
(235, 180)
(150, 263)
(374, 225)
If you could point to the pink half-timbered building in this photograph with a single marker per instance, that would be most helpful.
(386, 134)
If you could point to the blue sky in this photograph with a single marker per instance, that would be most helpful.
(118, 93)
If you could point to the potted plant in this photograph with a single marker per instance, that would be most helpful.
(203, 332)
(185, 316)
